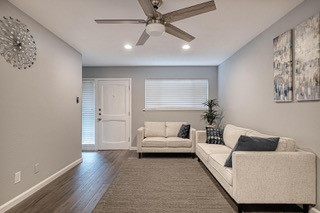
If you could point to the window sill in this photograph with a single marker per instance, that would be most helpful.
(173, 109)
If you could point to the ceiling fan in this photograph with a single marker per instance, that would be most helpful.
(157, 23)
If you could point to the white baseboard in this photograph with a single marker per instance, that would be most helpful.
(314, 210)
(133, 148)
(11, 203)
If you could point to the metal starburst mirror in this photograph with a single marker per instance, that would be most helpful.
(17, 45)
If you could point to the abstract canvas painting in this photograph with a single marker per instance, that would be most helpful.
(307, 56)
(282, 67)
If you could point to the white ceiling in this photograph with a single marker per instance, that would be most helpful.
(219, 33)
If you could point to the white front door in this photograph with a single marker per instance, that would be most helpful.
(114, 116)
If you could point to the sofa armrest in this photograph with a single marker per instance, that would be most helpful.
(201, 136)
(274, 177)
(192, 137)
(140, 137)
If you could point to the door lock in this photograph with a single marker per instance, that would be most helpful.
(99, 119)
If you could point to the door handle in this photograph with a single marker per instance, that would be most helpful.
(99, 119)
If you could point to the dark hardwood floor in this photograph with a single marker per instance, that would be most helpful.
(80, 189)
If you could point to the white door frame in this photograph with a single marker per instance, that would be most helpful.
(97, 107)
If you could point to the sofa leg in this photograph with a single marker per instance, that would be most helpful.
(199, 159)
(140, 155)
(305, 208)
(193, 155)
(240, 208)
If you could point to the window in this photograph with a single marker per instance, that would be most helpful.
(175, 93)
(88, 112)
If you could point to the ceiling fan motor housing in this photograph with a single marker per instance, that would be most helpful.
(156, 3)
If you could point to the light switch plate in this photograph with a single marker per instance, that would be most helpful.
(17, 177)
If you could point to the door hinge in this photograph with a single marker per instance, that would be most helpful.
(129, 87)
(128, 139)
(129, 113)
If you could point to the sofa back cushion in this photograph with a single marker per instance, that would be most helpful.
(172, 128)
(284, 145)
(232, 133)
(154, 129)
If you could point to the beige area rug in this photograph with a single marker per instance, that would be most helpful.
(154, 185)
(150, 185)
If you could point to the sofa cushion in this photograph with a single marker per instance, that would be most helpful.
(246, 143)
(206, 149)
(284, 145)
(214, 135)
(184, 131)
(232, 133)
(178, 142)
(172, 128)
(217, 162)
(154, 129)
(154, 142)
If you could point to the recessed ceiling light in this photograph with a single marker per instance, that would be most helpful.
(128, 46)
(186, 47)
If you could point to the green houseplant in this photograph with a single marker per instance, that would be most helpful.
(212, 114)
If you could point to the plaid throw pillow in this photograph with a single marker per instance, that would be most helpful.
(214, 135)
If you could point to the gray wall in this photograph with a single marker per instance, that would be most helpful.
(40, 121)
(246, 89)
(139, 74)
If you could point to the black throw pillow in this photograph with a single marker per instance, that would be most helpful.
(184, 131)
(214, 135)
(246, 143)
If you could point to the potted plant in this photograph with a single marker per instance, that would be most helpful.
(212, 114)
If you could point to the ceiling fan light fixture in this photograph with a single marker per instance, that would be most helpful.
(155, 29)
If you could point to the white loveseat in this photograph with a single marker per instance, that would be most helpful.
(285, 176)
(162, 137)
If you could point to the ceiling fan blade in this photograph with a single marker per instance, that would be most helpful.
(178, 33)
(120, 21)
(147, 8)
(143, 38)
(189, 11)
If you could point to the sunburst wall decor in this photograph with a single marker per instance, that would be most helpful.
(17, 45)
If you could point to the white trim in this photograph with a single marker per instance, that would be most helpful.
(133, 148)
(96, 110)
(130, 99)
(314, 210)
(11, 203)
(174, 109)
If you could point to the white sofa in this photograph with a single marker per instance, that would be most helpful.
(285, 176)
(162, 137)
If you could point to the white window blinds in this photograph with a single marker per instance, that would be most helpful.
(175, 93)
(88, 112)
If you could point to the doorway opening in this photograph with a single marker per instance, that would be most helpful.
(106, 114)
